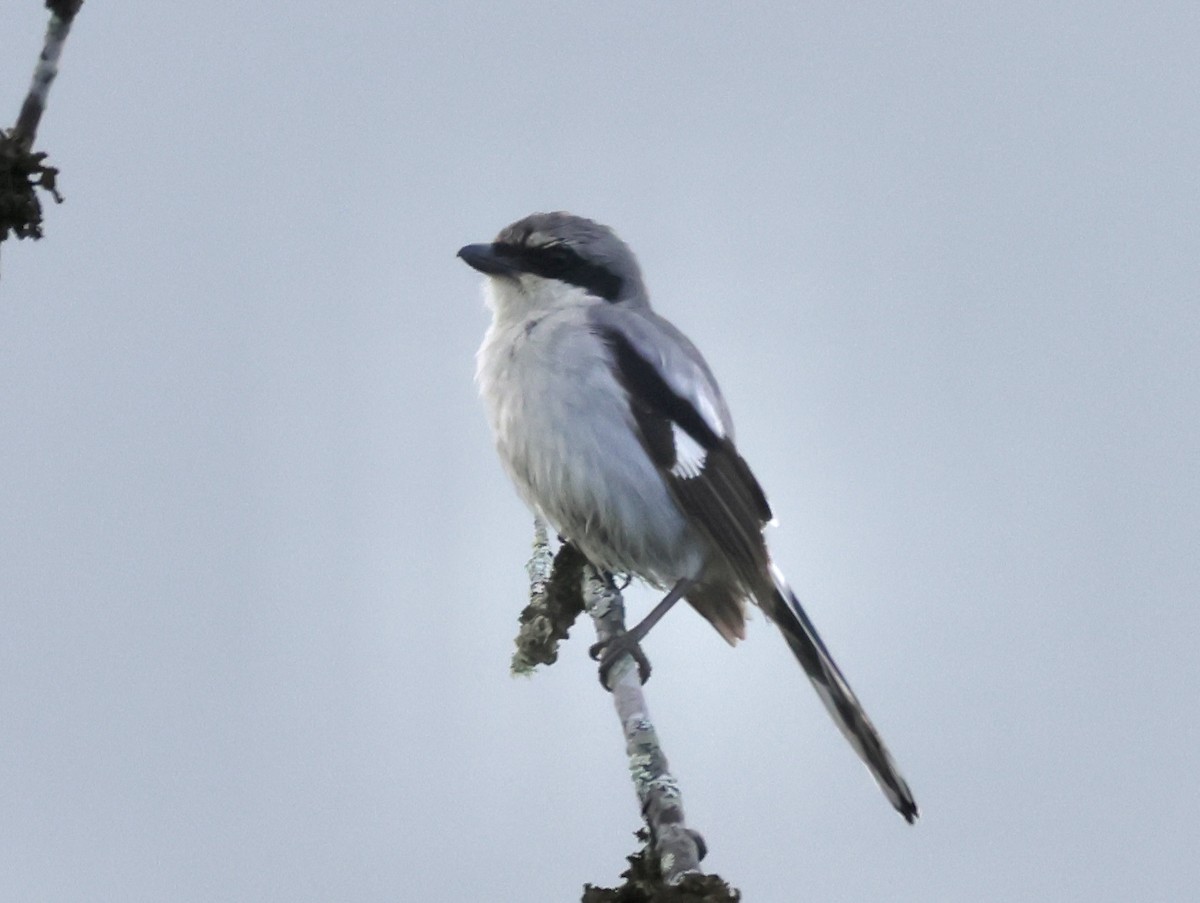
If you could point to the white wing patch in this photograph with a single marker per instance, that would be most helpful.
(689, 454)
(709, 413)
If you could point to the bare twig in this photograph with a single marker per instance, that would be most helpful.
(21, 170)
(62, 14)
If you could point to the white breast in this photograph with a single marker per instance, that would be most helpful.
(566, 437)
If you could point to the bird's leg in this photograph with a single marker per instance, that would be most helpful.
(609, 652)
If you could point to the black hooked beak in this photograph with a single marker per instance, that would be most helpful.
(489, 259)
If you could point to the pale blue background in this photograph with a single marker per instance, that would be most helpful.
(259, 569)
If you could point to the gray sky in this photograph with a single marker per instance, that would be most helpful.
(259, 567)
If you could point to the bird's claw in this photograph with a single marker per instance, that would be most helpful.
(609, 652)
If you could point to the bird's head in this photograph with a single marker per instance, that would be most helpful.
(552, 260)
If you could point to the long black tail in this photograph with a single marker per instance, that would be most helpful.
(835, 692)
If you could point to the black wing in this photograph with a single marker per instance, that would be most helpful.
(700, 465)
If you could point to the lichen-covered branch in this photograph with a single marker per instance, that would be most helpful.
(560, 587)
(554, 602)
(22, 171)
(644, 884)
(678, 849)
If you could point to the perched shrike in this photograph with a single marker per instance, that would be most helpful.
(611, 426)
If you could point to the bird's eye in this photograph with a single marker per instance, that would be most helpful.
(558, 260)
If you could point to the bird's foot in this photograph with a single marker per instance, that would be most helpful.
(609, 652)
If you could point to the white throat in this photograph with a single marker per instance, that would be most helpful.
(516, 300)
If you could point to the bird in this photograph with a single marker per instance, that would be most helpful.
(611, 426)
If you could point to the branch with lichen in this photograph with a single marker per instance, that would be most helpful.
(679, 850)
(561, 586)
(554, 602)
(22, 171)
